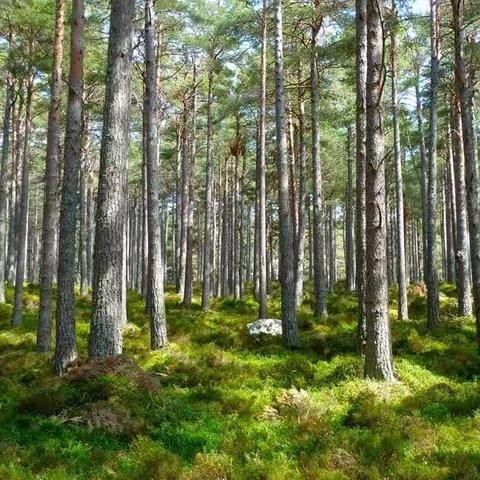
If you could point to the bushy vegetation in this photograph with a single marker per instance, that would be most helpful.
(217, 404)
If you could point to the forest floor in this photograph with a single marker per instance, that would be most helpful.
(218, 405)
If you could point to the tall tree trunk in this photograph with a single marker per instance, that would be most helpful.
(400, 224)
(319, 280)
(22, 202)
(261, 186)
(378, 351)
(433, 317)
(107, 302)
(349, 236)
(156, 303)
(462, 254)
(50, 205)
(65, 348)
(208, 235)
(465, 96)
(3, 180)
(360, 127)
(302, 194)
(287, 261)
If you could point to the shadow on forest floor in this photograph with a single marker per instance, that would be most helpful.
(216, 404)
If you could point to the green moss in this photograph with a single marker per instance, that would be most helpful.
(216, 403)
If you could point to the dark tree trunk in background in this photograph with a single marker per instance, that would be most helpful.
(378, 351)
(50, 201)
(65, 348)
(156, 303)
(433, 315)
(107, 301)
(360, 127)
(287, 261)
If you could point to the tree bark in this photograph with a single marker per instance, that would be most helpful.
(262, 202)
(9, 99)
(107, 301)
(465, 96)
(462, 254)
(287, 261)
(319, 280)
(349, 235)
(378, 351)
(156, 303)
(400, 224)
(22, 203)
(65, 349)
(433, 315)
(50, 205)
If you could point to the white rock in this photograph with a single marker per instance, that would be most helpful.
(265, 326)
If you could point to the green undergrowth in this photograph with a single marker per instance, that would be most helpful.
(218, 405)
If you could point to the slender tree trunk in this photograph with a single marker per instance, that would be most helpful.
(107, 301)
(378, 351)
(400, 231)
(349, 235)
(319, 280)
(302, 195)
(156, 303)
(262, 195)
(208, 236)
(287, 261)
(4, 182)
(360, 127)
(462, 254)
(50, 205)
(23, 209)
(465, 96)
(65, 348)
(433, 318)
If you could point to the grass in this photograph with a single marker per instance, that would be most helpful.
(216, 404)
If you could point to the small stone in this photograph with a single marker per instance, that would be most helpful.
(265, 326)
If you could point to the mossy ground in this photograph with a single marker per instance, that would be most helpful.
(216, 404)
